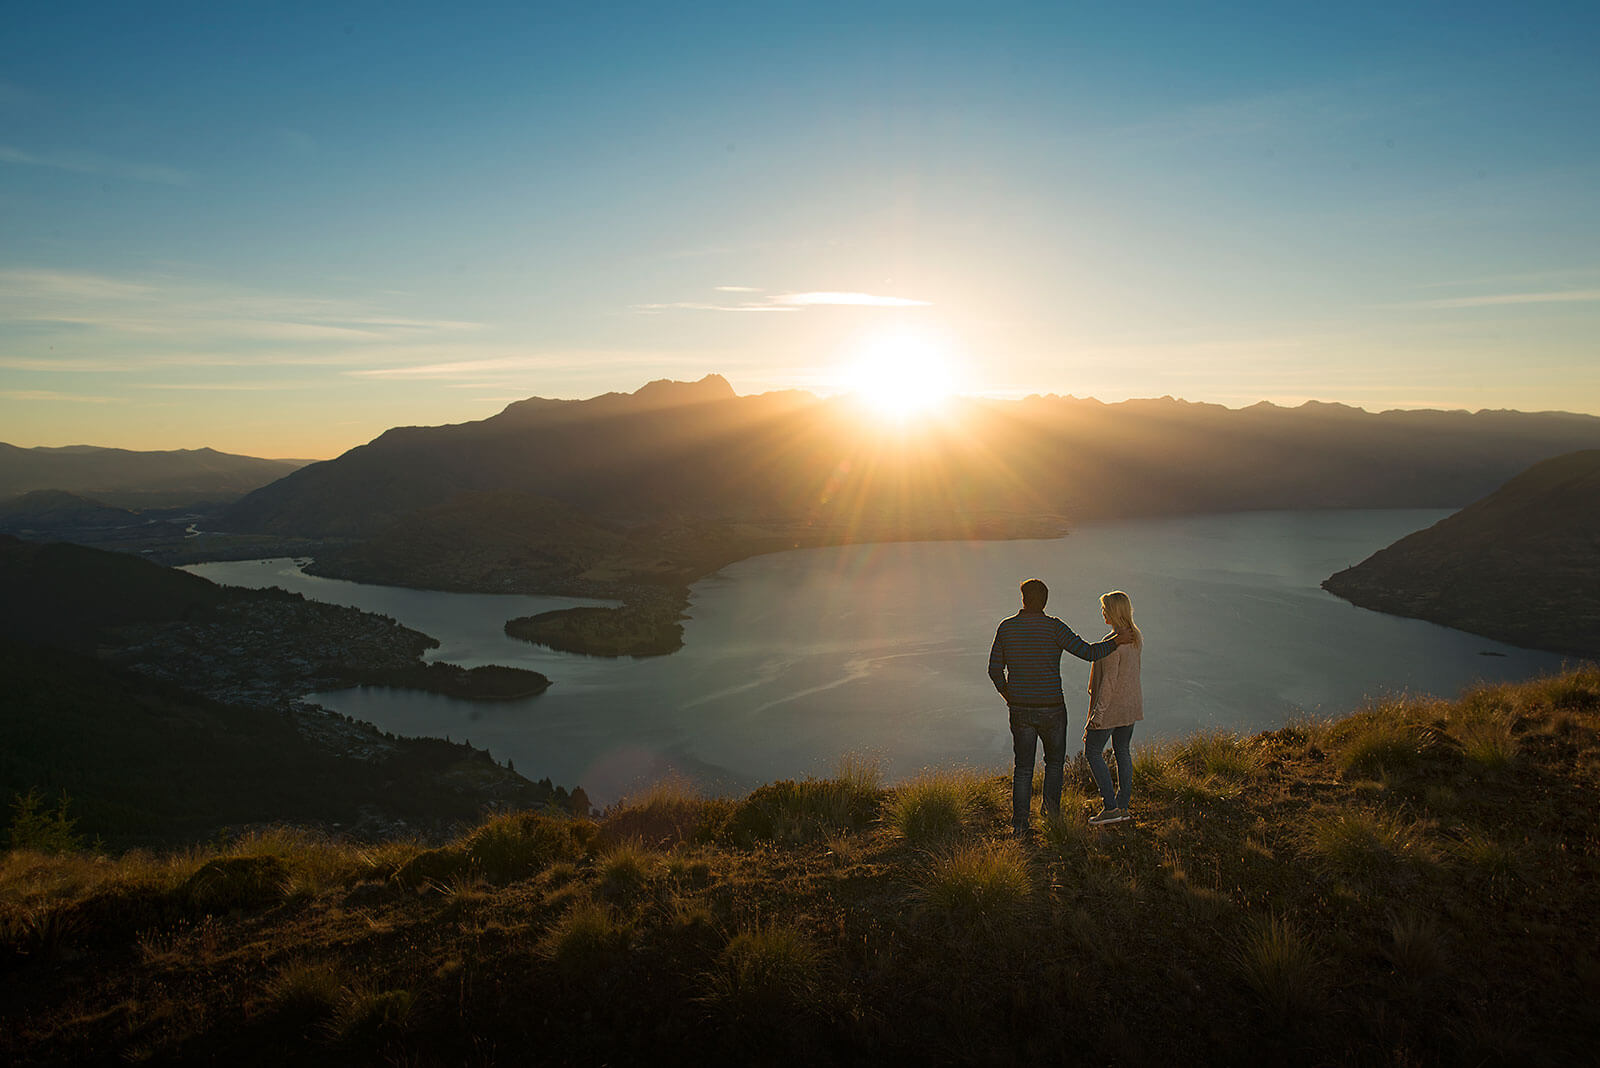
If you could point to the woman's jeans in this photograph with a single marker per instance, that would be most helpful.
(1094, 744)
(1029, 727)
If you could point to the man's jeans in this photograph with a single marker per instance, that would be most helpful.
(1094, 745)
(1028, 727)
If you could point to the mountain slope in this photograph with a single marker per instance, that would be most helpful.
(1522, 565)
(129, 478)
(695, 450)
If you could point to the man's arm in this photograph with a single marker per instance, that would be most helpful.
(997, 665)
(1068, 639)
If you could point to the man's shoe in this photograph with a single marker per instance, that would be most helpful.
(1105, 816)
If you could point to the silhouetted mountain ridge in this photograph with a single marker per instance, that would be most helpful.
(792, 459)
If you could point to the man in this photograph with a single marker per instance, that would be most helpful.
(1025, 666)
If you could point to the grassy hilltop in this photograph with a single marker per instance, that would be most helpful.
(1413, 884)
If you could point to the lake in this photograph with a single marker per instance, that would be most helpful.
(793, 659)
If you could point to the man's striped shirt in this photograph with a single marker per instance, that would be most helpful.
(1025, 662)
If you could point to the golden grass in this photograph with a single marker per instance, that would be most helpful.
(934, 807)
(1378, 853)
(984, 883)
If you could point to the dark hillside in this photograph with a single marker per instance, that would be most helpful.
(70, 595)
(146, 762)
(1522, 565)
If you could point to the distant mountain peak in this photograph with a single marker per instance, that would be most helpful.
(664, 392)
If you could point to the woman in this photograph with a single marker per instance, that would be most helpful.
(1116, 703)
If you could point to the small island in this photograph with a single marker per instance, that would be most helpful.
(488, 683)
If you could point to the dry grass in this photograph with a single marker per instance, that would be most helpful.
(1279, 963)
(985, 884)
(1380, 850)
(935, 807)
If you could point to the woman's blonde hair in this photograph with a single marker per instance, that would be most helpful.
(1119, 610)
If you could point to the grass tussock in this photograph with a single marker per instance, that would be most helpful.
(370, 1018)
(626, 870)
(503, 849)
(668, 813)
(1383, 739)
(588, 940)
(983, 884)
(306, 992)
(1278, 962)
(1417, 948)
(935, 807)
(765, 976)
(1381, 850)
(1366, 845)
(804, 811)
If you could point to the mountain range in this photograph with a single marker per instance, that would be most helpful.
(663, 485)
(133, 479)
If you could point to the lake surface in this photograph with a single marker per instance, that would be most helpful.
(792, 659)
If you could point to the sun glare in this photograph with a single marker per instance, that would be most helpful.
(900, 376)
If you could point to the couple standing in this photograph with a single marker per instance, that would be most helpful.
(1025, 665)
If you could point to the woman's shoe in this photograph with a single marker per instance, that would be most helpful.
(1107, 815)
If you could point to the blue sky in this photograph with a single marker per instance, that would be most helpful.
(280, 229)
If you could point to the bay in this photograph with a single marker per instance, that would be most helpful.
(793, 659)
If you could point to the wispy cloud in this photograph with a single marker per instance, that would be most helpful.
(89, 163)
(1559, 296)
(787, 302)
(52, 395)
(188, 315)
(510, 371)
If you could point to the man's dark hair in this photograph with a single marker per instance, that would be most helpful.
(1034, 593)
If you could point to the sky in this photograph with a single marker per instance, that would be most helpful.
(279, 229)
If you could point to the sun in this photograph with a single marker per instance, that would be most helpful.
(901, 375)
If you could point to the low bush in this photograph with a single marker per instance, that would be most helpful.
(666, 814)
(803, 811)
(767, 982)
(978, 884)
(1279, 963)
(931, 809)
(237, 883)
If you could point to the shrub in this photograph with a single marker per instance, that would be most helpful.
(306, 991)
(664, 815)
(625, 870)
(587, 940)
(804, 811)
(1494, 864)
(933, 808)
(237, 883)
(984, 884)
(370, 1017)
(1280, 965)
(1217, 753)
(503, 849)
(1488, 744)
(861, 772)
(766, 979)
(41, 829)
(1416, 947)
(1374, 741)
(1364, 844)
(1578, 689)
